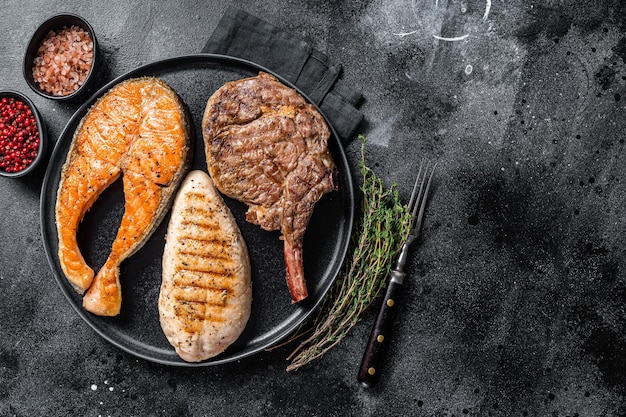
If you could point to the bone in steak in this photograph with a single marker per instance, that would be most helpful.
(267, 147)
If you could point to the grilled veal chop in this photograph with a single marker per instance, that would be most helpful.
(267, 147)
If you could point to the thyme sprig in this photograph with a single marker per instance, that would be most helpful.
(380, 231)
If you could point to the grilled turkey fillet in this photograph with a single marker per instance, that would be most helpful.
(206, 293)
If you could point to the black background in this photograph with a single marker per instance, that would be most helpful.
(516, 302)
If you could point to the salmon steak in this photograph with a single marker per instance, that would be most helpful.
(206, 291)
(138, 130)
(267, 147)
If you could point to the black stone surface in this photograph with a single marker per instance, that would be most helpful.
(516, 305)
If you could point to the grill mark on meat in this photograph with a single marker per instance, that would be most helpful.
(208, 265)
(203, 279)
(195, 197)
(209, 296)
(223, 274)
(191, 241)
(200, 286)
(203, 247)
(204, 226)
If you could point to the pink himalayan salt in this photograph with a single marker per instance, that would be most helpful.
(63, 60)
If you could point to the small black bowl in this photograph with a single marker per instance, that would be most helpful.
(57, 23)
(43, 137)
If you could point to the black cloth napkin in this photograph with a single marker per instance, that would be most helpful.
(242, 35)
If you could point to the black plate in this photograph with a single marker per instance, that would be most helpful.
(137, 329)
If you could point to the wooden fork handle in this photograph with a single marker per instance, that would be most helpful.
(374, 356)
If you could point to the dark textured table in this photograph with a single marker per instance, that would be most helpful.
(516, 302)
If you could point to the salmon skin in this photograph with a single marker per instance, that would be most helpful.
(139, 130)
(206, 292)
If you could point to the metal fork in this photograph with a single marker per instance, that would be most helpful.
(371, 364)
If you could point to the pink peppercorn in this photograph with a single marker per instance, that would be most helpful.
(19, 136)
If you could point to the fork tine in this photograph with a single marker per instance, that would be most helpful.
(415, 192)
(416, 202)
(422, 196)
